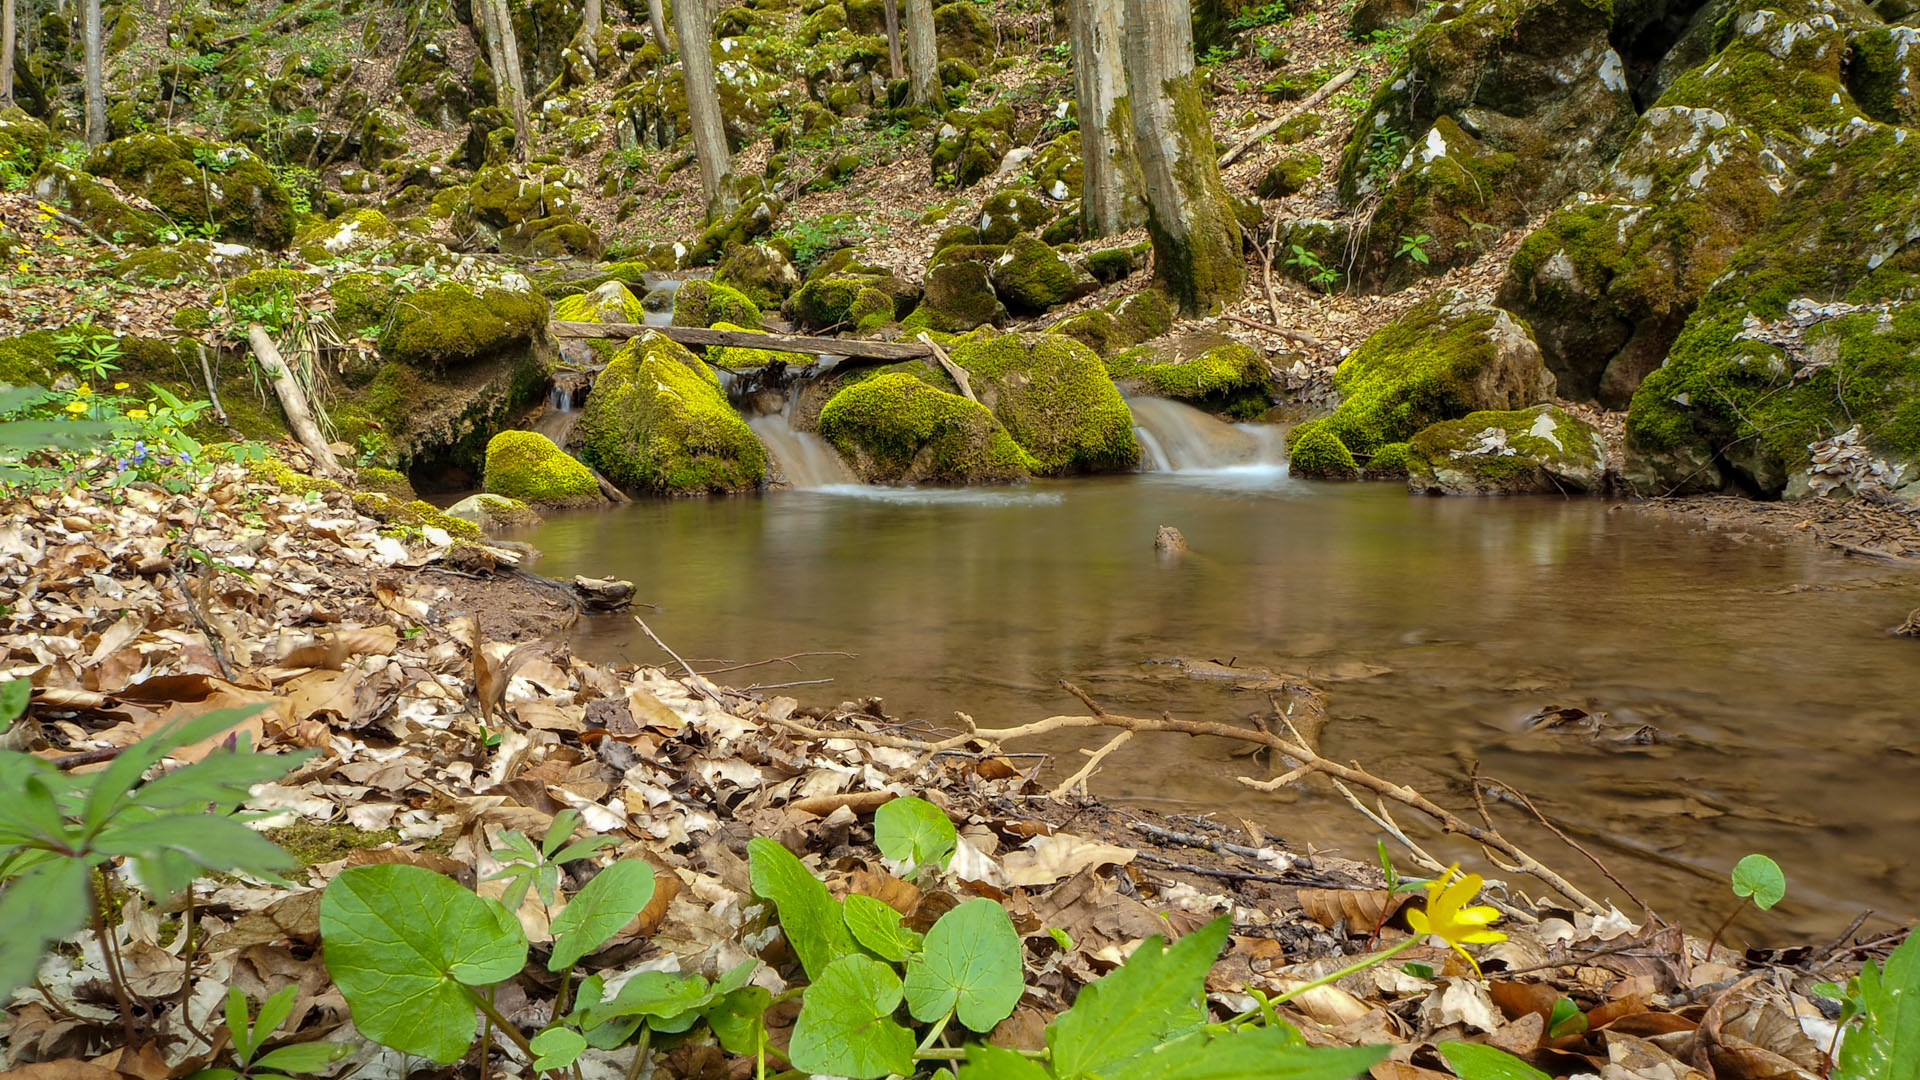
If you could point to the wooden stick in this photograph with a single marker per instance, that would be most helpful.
(1094, 757)
(1300, 336)
(1326, 91)
(958, 373)
(293, 400)
(793, 343)
(213, 392)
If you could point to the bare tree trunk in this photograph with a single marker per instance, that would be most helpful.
(923, 52)
(1196, 241)
(509, 73)
(691, 20)
(7, 33)
(895, 68)
(96, 78)
(657, 17)
(1110, 192)
(590, 20)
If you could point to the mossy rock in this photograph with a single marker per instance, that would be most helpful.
(963, 32)
(705, 303)
(969, 145)
(1058, 170)
(1289, 174)
(872, 309)
(192, 260)
(746, 357)
(657, 421)
(352, 233)
(896, 428)
(758, 209)
(388, 482)
(23, 140)
(1116, 264)
(824, 302)
(763, 273)
(1390, 462)
(527, 466)
(261, 285)
(1540, 450)
(197, 182)
(105, 212)
(959, 298)
(362, 301)
(608, 302)
(1207, 370)
(30, 359)
(1031, 278)
(452, 324)
(1007, 214)
(1314, 452)
(1445, 358)
(495, 513)
(1053, 396)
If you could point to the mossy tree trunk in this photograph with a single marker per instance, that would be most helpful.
(96, 78)
(896, 67)
(7, 33)
(657, 18)
(516, 75)
(923, 53)
(1196, 240)
(1110, 201)
(692, 21)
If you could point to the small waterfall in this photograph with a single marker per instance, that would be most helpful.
(658, 303)
(1178, 438)
(557, 421)
(805, 460)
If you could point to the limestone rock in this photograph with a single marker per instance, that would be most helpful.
(657, 421)
(1540, 450)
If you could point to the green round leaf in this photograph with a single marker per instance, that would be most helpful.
(598, 911)
(970, 967)
(877, 928)
(556, 1048)
(846, 1026)
(914, 830)
(1761, 878)
(403, 944)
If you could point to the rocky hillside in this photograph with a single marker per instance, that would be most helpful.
(1518, 220)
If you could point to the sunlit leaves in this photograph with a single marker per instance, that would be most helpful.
(876, 926)
(847, 1026)
(914, 830)
(970, 967)
(1157, 995)
(1472, 1061)
(809, 914)
(1887, 1044)
(599, 910)
(1760, 878)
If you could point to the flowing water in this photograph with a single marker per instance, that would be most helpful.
(801, 460)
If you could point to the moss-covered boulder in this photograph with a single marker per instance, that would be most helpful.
(1540, 450)
(658, 422)
(352, 233)
(527, 466)
(959, 298)
(1443, 359)
(453, 324)
(704, 303)
(201, 183)
(1206, 369)
(964, 33)
(758, 207)
(969, 145)
(190, 260)
(494, 513)
(763, 273)
(1288, 174)
(1053, 396)
(1008, 213)
(608, 302)
(1314, 452)
(1031, 278)
(1058, 170)
(23, 141)
(895, 428)
(105, 212)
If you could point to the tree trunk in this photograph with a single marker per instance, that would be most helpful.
(923, 53)
(96, 78)
(590, 22)
(1110, 200)
(293, 400)
(1196, 241)
(657, 18)
(508, 73)
(691, 21)
(896, 68)
(7, 33)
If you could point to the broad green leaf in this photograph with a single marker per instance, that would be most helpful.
(808, 912)
(42, 905)
(1567, 1019)
(846, 1026)
(223, 779)
(1473, 1061)
(111, 785)
(735, 1019)
(1264, 1052)
(876, 926)
(599, 910)
(556, 1048)
(14, 695)
(303, 1057)
(1761, 878)
(1886, 1045)
(403, 944)
(659, 994)
(914, 830)
(970, 967)
(988, 1062)
(1156, 996)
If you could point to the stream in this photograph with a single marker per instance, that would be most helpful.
(1673, 697)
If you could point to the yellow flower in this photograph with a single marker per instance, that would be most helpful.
(136, 414)
(85, 390)
(1447, 916)
(120, 385)
(76, 407)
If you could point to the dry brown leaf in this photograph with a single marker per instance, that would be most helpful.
(1517, 999)
(1523, 1036)
(1632, 1058)
(650, 712)
(901, 896)
(1362, 910)
(293, 917)
(1048, 859)
(66, 1069)
(860, 802)
(1400, 1070)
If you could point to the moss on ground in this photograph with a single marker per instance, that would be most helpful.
(313, 843)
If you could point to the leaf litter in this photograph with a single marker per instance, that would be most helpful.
(372, 646)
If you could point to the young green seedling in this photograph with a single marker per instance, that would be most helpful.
(1756, 878)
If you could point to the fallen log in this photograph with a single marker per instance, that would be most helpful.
(793, 343)
(293, 400)
(1326, 91)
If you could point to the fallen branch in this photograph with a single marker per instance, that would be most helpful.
(958, 373)
(1300, 336)
(706, 688)
(1094, 757)
(1239, 875)
(293, 400)
(1326, 91)
(1570, 842)
(213, 392)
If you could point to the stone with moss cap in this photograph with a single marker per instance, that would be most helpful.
(93, 202)
(199, 182)
(969, 145)
(526, 465)
(608, 302)
(1390, 462)
(1053, 396)
(1316, 453)
(1031, 278)
(23, 140)
(1205, 369)
(896, 428)
(959, 298)
(657, 421)
(705, 303)
(351, 233)
(454, 323)
(1445, 358)
(1540, 450)
(388, 482)
(763, 273)
(1007, 214)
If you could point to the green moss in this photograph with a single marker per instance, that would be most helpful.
(192, 319)
(657, 421)
(899, 429)
(1031, 278)
(744, 358)
(824, 302)
(1315, 452)
(1288, 174)
(361, 301)
(426, 514)
(1199, 259)
(385, 482)
(763, 273)
(201, 183)
(258, 285)
(871, 310)
(1540, 449)
(609, 303)
(275, 473)
(354, 231)
(1053, 396)
(959, 299)
(1231, 378)
(29, 359)
(96, 204)
(313, 843)
(453, 324)
(1009, 213)
(1388, 463)
(704, 303)
(527, 466)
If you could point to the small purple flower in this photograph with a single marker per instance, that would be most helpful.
(186, 458)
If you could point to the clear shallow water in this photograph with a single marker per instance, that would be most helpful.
(1786, 720)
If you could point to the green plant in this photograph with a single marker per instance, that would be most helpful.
(1474, 1061)
(1756, 878)
(90, 352)
(1414, 247)
(1317, 273)
(1885, 1004)
(1385, 149)
(247, 1038)
(525, 865)
(1267, 14)
(58, 828)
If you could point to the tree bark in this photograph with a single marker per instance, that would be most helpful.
(657, 18)
(693, 23)
(96, 78)
(508, 73)
(7, 33)
(1196, 240)
(923, 53)
(590, 22)
(1110, 195)
(896, 67)
(293, 400)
